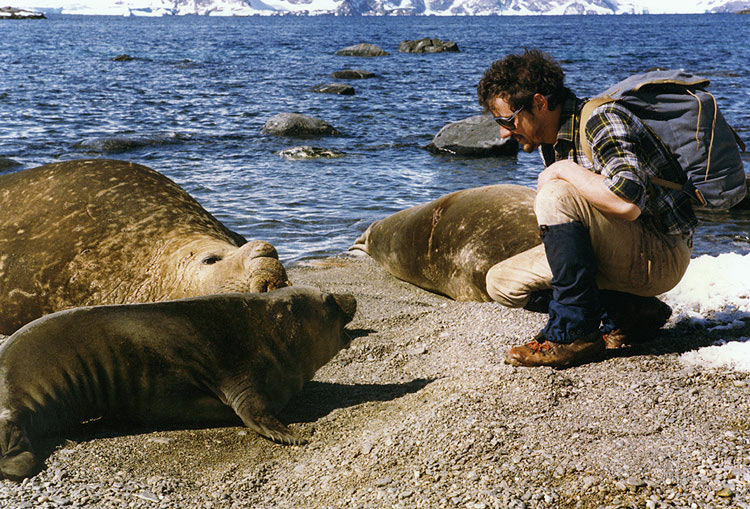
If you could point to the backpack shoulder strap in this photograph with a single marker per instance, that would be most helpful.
(586, 112)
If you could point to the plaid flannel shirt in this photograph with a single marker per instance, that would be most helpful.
(626, 153)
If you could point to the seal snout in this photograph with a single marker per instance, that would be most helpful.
(347, 303)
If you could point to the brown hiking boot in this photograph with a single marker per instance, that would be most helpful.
(638, 319)
(540, 352)
(616, 339)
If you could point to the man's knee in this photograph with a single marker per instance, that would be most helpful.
(559, 202)
(505, 289)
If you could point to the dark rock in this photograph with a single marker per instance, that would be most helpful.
(307, 152)
(125, 142)
(474, 136)
(123, 58)
(362, 50)
(186, 64)
(352, 74)
(745, 203)
(7, 163)
(334, 88)
(13, 13)
(294, 124)
(427, 46)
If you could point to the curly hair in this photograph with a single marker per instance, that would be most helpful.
(516, 78)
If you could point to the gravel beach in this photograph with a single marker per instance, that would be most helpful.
(421, 411)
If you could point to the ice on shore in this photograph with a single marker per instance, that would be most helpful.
(715, 294)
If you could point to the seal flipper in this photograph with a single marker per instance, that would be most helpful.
(270, 427)
(17, 461)
(242, 394)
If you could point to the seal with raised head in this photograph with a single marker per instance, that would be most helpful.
(447, 245)
(93, 232)
(203, 360)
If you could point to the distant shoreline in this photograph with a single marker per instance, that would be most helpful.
(56, 12)
(13, 13)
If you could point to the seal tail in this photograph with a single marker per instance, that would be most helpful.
(361, 242)
(17, 461)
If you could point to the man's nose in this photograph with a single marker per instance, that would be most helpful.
(504, 133)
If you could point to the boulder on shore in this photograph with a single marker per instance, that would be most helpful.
(295, 124)
(474, 136)
(13, 13)
(427, 45)
(334, 88)
(362, 50)
(352, 74)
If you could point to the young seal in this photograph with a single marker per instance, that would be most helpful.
(203, 360)
(92, 232)
(448, 245)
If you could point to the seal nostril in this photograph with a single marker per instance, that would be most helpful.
(211, 259)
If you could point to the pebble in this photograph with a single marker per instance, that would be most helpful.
(147, 495)
(725, 493)
(635, 482)
(588, 481)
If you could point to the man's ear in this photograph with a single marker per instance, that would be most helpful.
(540, 102)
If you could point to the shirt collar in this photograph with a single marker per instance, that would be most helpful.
(571, 106)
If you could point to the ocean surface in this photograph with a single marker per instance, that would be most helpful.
(199, 90)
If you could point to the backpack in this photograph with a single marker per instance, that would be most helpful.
(685, 118)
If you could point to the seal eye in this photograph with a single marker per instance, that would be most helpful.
(211, 259)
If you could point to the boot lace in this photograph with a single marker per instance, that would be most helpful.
(538, 347)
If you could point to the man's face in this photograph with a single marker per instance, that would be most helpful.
(529, 128)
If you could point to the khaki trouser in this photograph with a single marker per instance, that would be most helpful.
(629, 258)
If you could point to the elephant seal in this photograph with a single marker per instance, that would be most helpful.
(92, 232)
(203, 360)
(447, 245)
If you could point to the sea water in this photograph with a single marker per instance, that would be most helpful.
(198, 91)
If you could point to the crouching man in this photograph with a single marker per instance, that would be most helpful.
(611, 239)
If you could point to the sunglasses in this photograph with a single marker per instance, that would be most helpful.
(508, 123)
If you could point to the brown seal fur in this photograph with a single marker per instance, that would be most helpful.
(204, 360)
(448, 245)
(91, 232)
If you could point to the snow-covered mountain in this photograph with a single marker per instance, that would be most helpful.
(379, 7)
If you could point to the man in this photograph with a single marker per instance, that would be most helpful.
(611, 240)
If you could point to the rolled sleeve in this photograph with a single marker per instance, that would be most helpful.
(613, 142)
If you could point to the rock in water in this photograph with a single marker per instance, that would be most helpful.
(352, 74)
(304, 152)
(427, 45)
(295, 124)
(474, 136)
(334, 88)
(362, 50)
